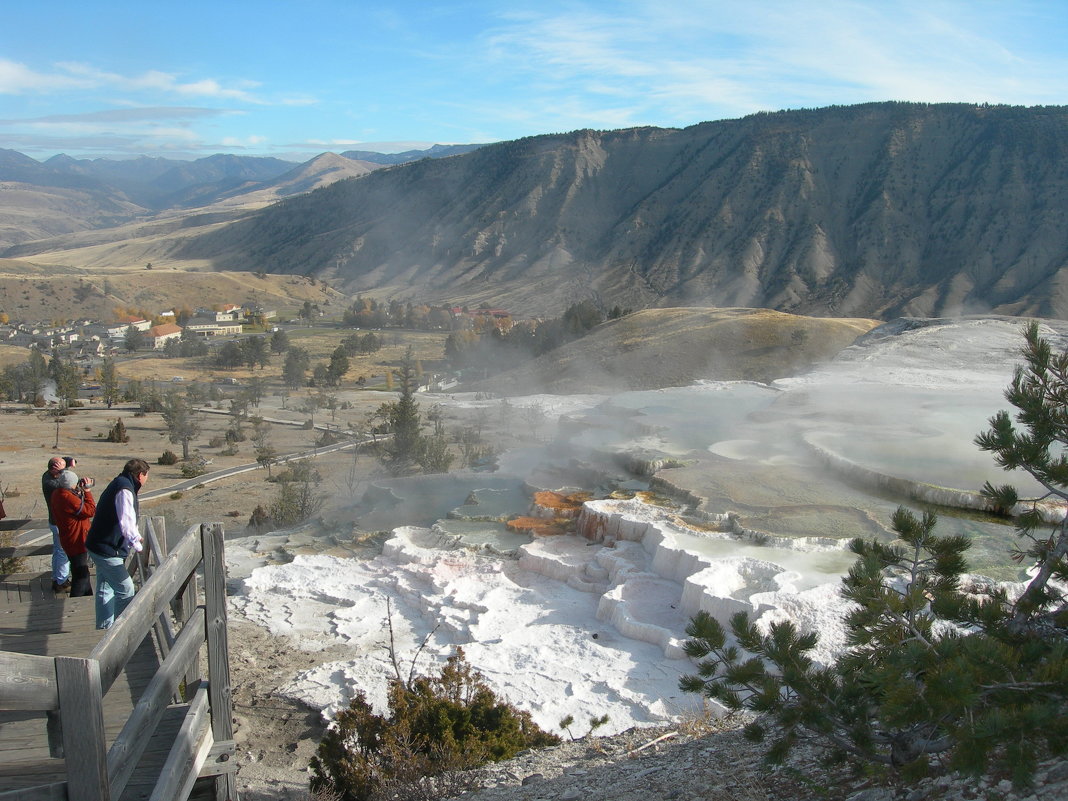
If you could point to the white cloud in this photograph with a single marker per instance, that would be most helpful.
(122, 115)
(17, 78)
(697, 59)
(243, 142)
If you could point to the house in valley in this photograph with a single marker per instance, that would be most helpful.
(160, 335)
(211, 327)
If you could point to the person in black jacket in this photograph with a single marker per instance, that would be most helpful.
(60, 562)
(112, 535)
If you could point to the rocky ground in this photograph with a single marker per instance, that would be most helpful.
(696, 759)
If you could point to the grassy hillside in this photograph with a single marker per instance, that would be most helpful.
(674, 347)
(36, 292)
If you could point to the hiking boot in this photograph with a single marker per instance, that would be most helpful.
(58, 588)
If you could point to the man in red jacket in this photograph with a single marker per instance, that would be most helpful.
(73, 508)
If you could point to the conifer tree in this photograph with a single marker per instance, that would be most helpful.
(109, 382)
(295, 368)
(36, 374)
(279, 341)
(181, 420)
(406, 446)
(1039, 392)
(339, 365)
(134, 338)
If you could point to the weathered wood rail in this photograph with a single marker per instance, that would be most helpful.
(174, 725)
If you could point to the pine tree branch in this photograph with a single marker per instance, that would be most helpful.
(1037, 585)
(1020, 686)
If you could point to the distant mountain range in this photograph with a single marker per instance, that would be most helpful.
(64, 195)
(876, 210)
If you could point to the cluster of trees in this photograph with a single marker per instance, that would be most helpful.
(250, 352)
(970, 675)
(325, 374)
(371, 313)
(357, 345)
(330, 373)
(497, 349)
(25, 381)
(30, 380)
(185, 347)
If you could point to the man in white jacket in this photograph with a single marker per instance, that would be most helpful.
(112, 535)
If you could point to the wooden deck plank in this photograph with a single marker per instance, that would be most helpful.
(34, 620)
(33, 770)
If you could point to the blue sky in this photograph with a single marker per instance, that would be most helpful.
(296, 78)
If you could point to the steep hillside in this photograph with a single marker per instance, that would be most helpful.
(658, 348)
(321, 171)
(874, 210)
(29, 212)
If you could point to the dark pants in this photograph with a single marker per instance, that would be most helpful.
(79, 576)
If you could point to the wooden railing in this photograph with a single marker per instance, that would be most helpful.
(71, 690)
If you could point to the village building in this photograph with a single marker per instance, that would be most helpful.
(160, 335)
(117, 330)
(210, 327)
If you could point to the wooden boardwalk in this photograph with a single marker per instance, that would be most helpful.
(140, 754)
(34, 620)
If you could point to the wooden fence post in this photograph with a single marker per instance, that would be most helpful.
(159, 547)
(219, 690)
(185, 603)
(81, 704)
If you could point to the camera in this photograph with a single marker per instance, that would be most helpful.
(86, 482)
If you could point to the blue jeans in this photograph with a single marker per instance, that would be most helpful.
(60, 562)
(114, 588)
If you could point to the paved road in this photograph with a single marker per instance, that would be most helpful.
(207, 478)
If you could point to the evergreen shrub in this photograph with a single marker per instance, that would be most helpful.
(436, 726)
(117, 433)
